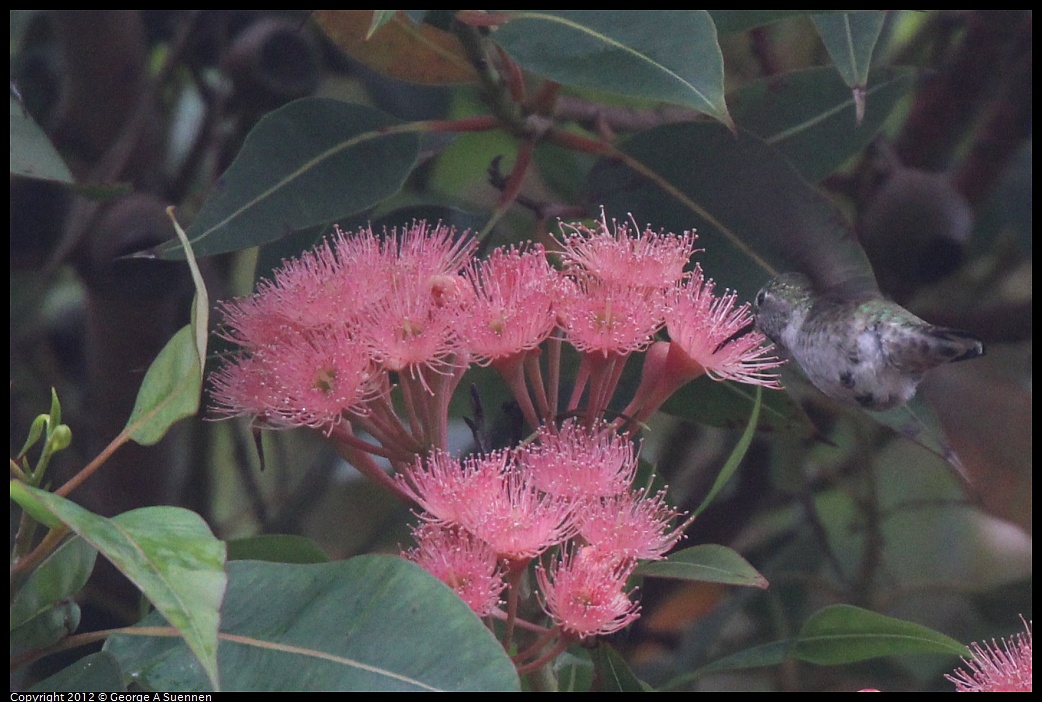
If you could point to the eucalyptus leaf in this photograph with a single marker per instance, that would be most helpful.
(756, 215)
(61, 576)
(98, 671)
(761, 656)
(735, 459)
(45, 628)
(809, 115)
(850, 38)
(307, 163)
(735, 21)
(398, 44)
(32, 154)
(372, 623)
(170, 391)
(277, 548)
(705, 563)
(613, 672)
(666, 55)
(728, 404)
(173, 384)
(168, 553)
(846, 634)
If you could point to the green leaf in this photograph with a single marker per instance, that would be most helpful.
(843, 634)
(173, 384)
(45, 628)
(733, 461)
(728, 404)
(25, 500)
(756, 215)
(665, 55)
(574, 670)
(170, 391)
(734, 21)
(168, 553)
(372, 623)
(32, 154)
(59, 577)
(305, 164)
(613, 672)
(200, 318)
(35, 432)
(49, 422)
(850, 38)
(809, 115)
(277, 548)
(846, 634)
(98, 671)
(708, 563)
(757, 657)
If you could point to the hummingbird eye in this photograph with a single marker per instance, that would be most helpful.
(760, 297)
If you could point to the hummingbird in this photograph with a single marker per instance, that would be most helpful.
(860, 349)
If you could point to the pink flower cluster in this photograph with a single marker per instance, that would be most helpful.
(367, 337)
(995, 668)
(485, 518)
(335, 331)
(320, 341)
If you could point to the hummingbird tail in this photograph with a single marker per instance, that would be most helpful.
(957, 345)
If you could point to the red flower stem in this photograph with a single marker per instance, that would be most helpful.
(476, 18)
(365, 464)
(477, 123)
(542, 660)
(582, 376)
(578, 142)
(442, 398)
(535, 379)
(383, 423)
(513, 578)
(416, 427)
(618, 366)
(553, 358)
(342, 433)
(600, 371)
(515, 79)
(512, 371)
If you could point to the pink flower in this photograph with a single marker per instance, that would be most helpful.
(994, 668)
(462, 562)
(435, 251)
(513, 305)
(415, 292)
(413, 326)
(631, 525)
(707, 329)
(304, 294)
(516, 520)
(313, 380)
(610, 319)
(580, 463)
(706, 337)
(582, 591)
(443, 486)
(648, 260)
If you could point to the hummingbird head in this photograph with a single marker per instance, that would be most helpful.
(781, 305)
